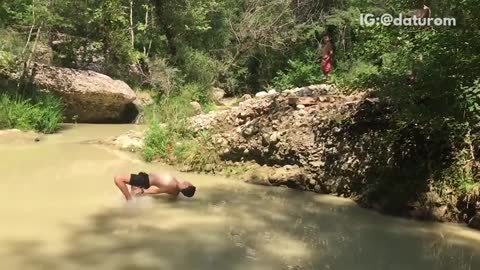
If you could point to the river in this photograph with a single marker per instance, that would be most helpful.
(59, 209)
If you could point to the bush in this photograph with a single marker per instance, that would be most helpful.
(156, 142)
(174, 109)
(42, 113)
(10, 48)
(470, 99)
(354, 75)
(169, 138)
(6, 59)
(164, 78)
(199, 68)
(196, 153)
(196, 92)
(302, 71)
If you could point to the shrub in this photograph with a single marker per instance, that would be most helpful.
(42, 112)
(169, 138)
(354, 75)
(199, 67)
(164, 78)
(195, 92)
(302, 71)
(197, 154)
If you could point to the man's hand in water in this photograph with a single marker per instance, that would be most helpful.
(136, 191)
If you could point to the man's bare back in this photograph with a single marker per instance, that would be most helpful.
(145, 184)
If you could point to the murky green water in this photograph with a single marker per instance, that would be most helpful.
(59, 209)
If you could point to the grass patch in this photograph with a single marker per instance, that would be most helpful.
(42, 113)
(170, 140)
(168, 143)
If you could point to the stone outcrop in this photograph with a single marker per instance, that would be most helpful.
(290, 176)
(292, 128)
(88, 96)
(337, 143)
(132, 141)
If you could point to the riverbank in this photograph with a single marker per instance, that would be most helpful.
(315, 139)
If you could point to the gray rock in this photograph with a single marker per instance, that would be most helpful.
(217, 94)
(248, 131)
(88, 96)
(197, 108)
(274, 138)
(261, 94)
(132, 140)
(272, 92)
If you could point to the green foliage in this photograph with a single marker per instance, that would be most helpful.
(42, 113)
(356, 75)
(462, 175)
(169, 138)
(172, 109)
(471, 100)
(156, 142)
(198, 67)
(10, 47)
(6, 59)
(196, 92)
(300, 72)
(197, 153)
(164, 78)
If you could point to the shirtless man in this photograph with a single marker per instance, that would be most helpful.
(143, 184)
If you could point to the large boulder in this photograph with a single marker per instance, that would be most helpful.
(89, 96)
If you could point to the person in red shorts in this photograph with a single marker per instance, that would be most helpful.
(327, 54)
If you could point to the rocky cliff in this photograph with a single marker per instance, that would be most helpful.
(314, 139)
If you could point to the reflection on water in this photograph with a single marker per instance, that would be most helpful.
(60, 210)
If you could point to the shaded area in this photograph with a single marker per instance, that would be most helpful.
(264, 229)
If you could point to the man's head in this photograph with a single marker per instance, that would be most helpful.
(187, 189)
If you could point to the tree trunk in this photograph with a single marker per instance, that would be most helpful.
(132, 34)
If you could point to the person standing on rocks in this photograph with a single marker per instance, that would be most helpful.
(151, 184)
(327, 54)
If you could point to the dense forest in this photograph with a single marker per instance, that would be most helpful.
(178, 50)
(246, 46)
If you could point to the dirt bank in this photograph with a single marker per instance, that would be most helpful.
(313, 139)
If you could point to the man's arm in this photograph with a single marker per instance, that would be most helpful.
(152, 191)
(121, 182)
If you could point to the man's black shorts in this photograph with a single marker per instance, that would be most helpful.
(140, 180)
